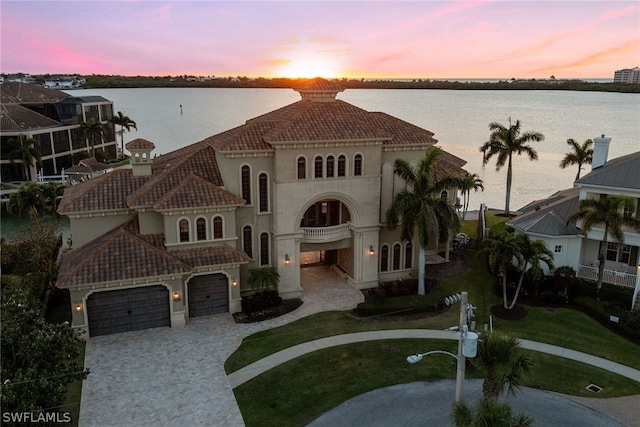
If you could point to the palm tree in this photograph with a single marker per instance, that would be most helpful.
(532, 254)
(25, 149)
(91, 128)
(419, 204)
(503, 143)
(501, 249)
(502, 363)
(488, 413)
(263, 278)
(28, 201)
(606, 213)
(125, 123)
(579, 155)
(471, 181)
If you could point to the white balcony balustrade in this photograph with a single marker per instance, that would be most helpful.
(326, 234)
(615, 277)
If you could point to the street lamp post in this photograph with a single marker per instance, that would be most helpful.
(467, 343)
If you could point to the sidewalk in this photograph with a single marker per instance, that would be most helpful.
(250, 371)
(625, 410)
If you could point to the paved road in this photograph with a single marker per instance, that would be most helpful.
(423, 404)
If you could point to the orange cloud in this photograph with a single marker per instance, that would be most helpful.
(598, 57)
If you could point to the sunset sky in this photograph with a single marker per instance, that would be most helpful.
(355, 39)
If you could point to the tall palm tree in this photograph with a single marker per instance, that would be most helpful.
(263, 278)
(125, 123)
(471, 181)
(504, 143)
(606, 213)
(25, 149)
(532, 254)
(488, 413)
(579, 155)
(502, 248)
(92, 128)
(503, 364)
(419, 204)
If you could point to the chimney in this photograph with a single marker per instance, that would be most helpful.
(600, 151)
(141, 160)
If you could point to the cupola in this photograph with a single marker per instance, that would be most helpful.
(319, 90)
(141, 161)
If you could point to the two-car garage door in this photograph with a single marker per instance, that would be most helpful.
(123, 310)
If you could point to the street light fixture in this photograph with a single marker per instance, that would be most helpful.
(467, 342)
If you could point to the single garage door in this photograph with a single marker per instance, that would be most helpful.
(208, 295)
(111, 312)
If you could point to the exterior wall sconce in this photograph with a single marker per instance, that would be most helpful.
(78, 306)
(176, 296)
(234, 282)
(371, 251)
(287, 260)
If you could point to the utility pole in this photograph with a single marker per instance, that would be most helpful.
(461, 359)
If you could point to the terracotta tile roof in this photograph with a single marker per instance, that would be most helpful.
(123, 254)
(28, 93)
(106, 192)
(245, 137)
(320, 84)
(139, 144)
(170, 171)
(210, 256)
(14, 117)
(117, 255)
(321, 121)
(196, 192)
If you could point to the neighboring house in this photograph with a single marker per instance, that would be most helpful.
(64, 82)
(52, 118)
(627, 75)
(174, 236)
(547, 220)
(86, 169)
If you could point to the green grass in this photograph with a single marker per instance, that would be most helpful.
(297, 392)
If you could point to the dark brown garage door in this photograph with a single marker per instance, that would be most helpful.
(111, 312)
(208, 295)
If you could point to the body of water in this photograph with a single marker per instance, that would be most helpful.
(175, 117)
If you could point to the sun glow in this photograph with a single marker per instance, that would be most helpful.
(308, 65)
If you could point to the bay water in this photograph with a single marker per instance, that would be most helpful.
(175, 117)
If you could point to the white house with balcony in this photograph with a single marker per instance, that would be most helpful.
(174, 236)
(547, 220)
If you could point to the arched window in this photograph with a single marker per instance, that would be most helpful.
(342, 165)
(357, 165)
(317, 167)
(331, 166)
(217, 228)
(384, 258)
(263, 192)
(302, 168)
(183, 227)
(247, 240)
(444, 195)
(408, 255)
(246, 183)
(201, 229)
(396, 256)
(264, 249)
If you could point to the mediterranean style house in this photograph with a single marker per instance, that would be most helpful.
(52, 118)
(174, 236)
(547, 220)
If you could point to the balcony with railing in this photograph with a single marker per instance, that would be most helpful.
(328, 234)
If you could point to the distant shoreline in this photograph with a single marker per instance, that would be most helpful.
(105, 82)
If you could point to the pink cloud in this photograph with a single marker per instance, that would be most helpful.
(612, 14)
